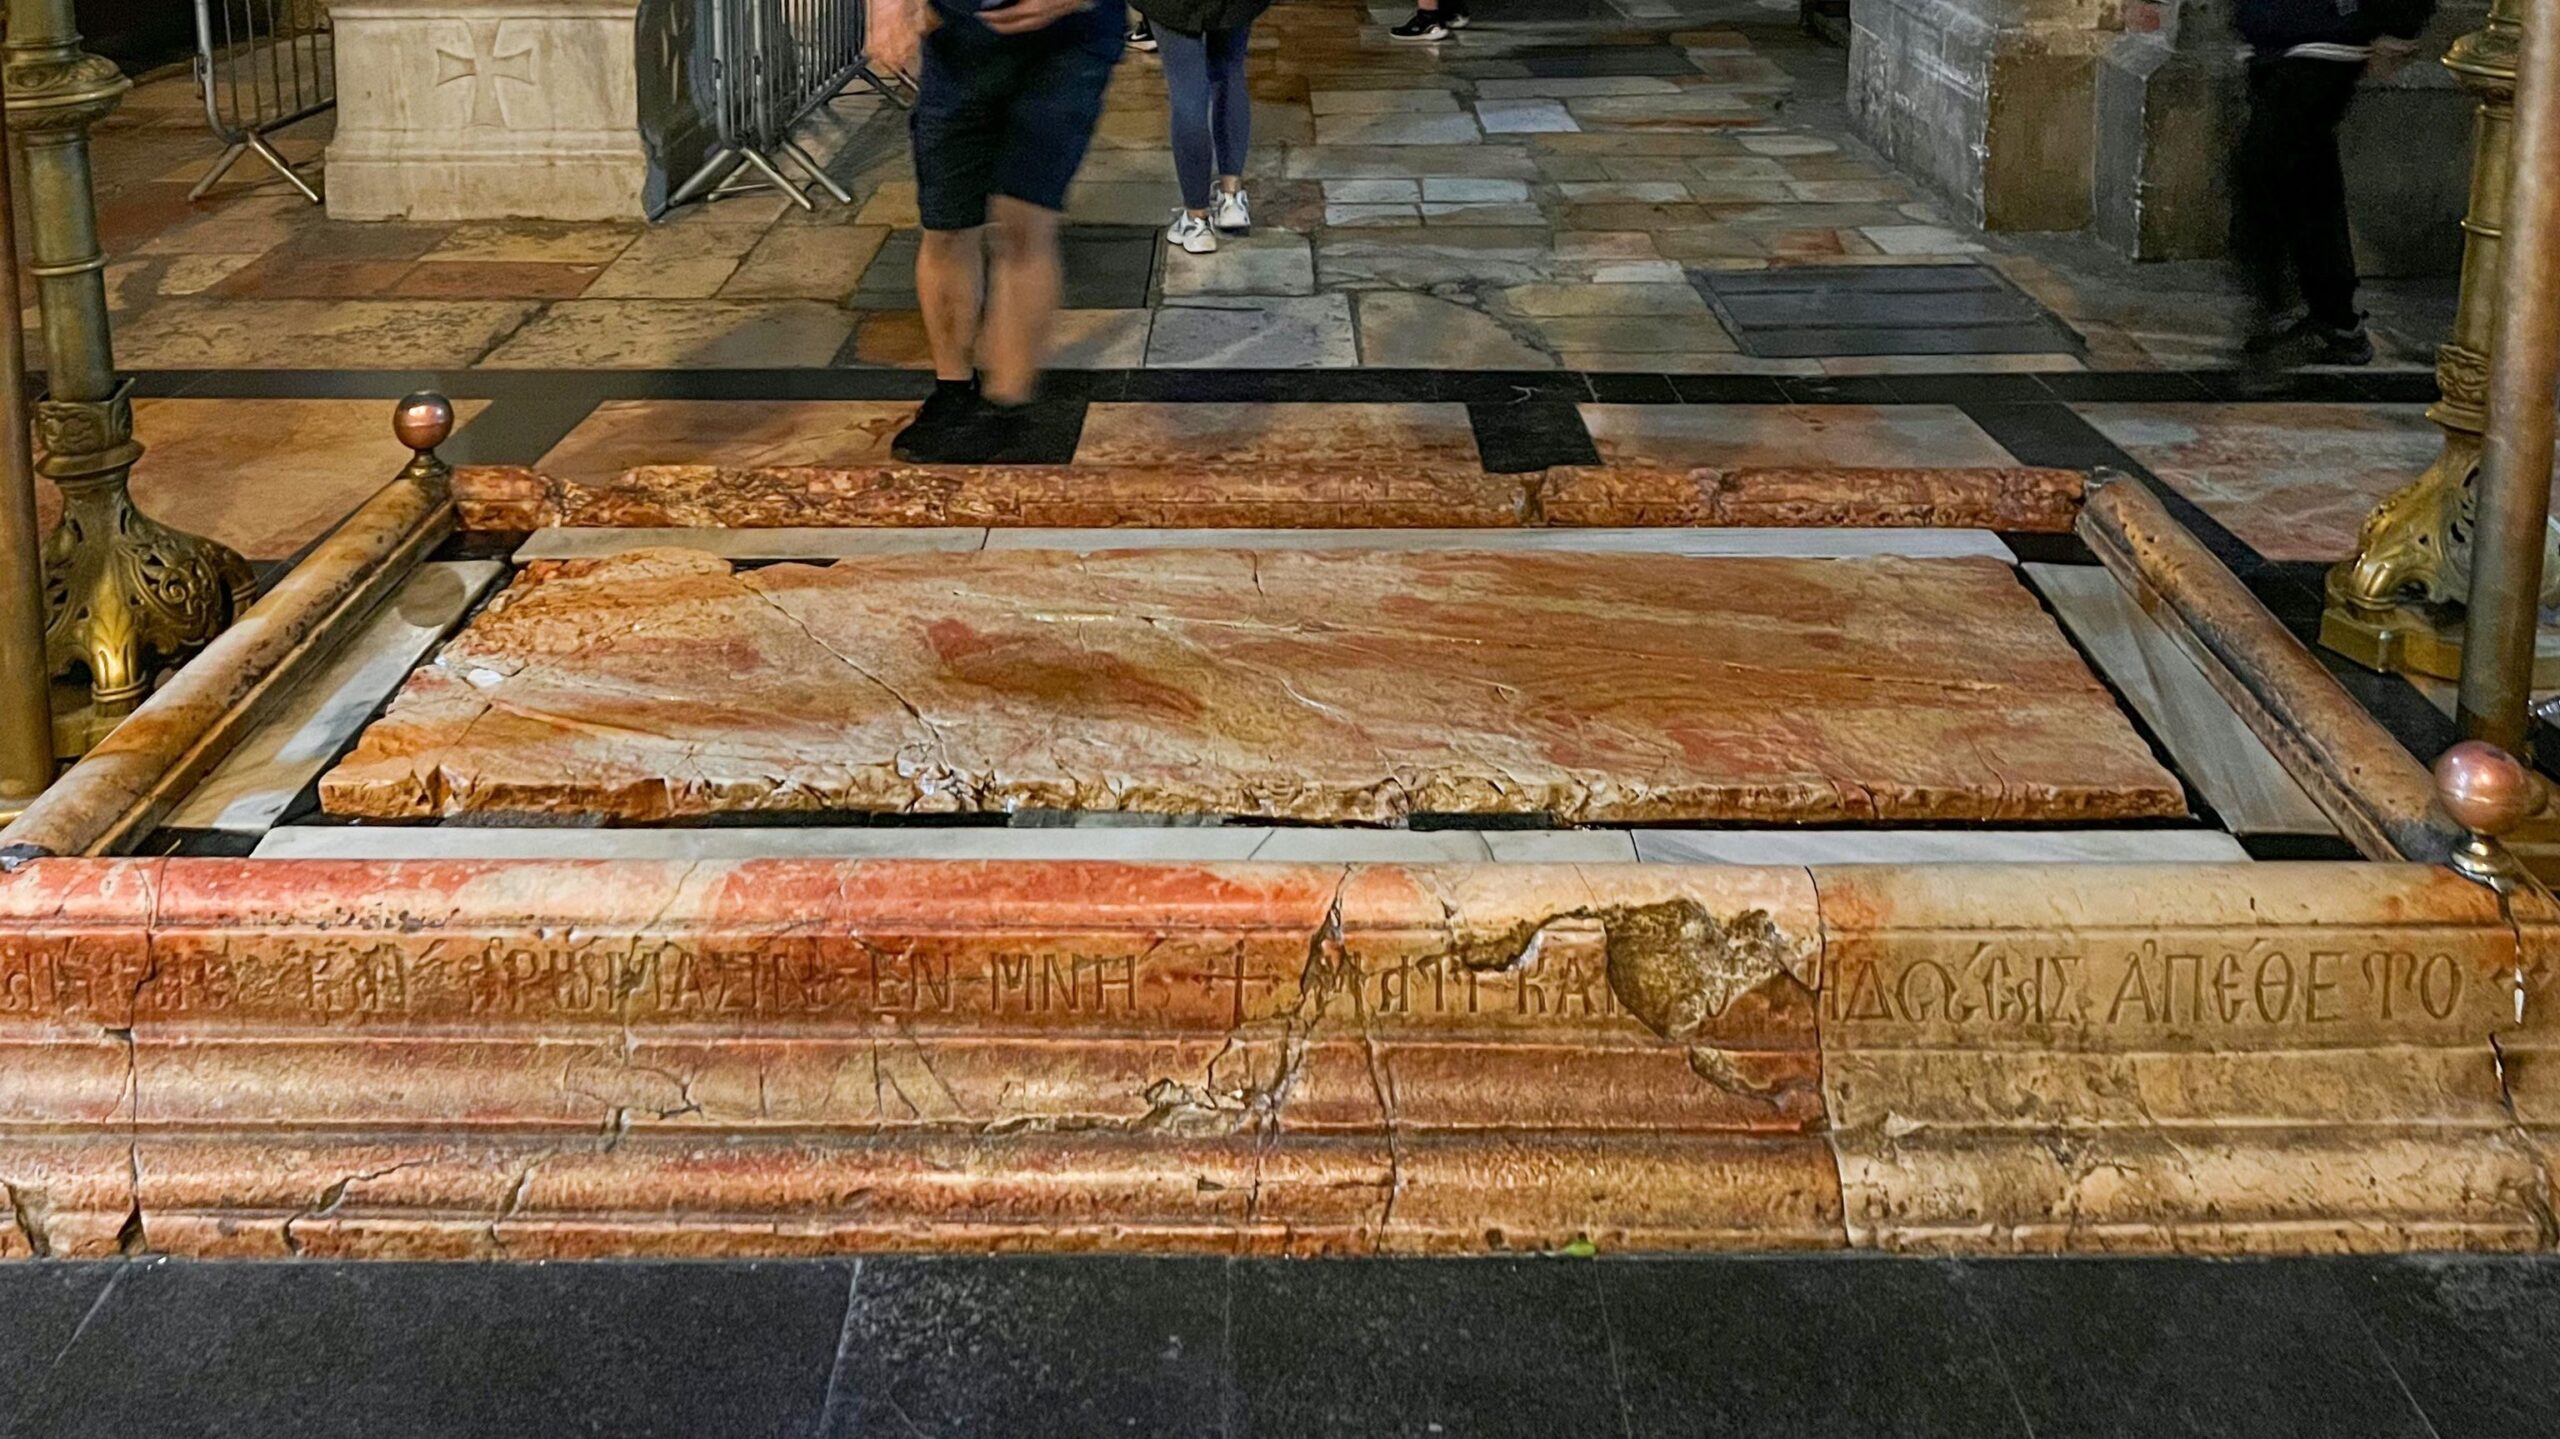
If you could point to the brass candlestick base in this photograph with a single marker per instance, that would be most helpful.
(121, 589)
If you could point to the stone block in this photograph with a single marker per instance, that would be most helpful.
(487, 109)
(2165, 117)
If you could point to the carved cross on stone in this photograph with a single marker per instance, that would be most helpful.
(485, 67)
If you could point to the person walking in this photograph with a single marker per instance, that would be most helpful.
(1008, 93)
(1432, 20)
(1203, 43)
(2289, 217)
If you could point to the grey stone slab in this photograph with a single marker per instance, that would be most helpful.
(1415, 259)
(275, 761)
(2030, 339)
(1404, 162)
(2213, 747)
(1396, 129)
(1561, 846)
(1403, 331)
(1570, 88)
(1270, 332)
(1984, 846)
(1266, 262)
(1856, 279)
(1525, 117)
(1373, 846)
(1902, 308)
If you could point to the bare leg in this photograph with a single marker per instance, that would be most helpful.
(1022, 298)
(950, 273)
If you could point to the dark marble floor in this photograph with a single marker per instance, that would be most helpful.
(1828, 1347)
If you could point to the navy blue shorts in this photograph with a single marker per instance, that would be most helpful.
(1007, 114)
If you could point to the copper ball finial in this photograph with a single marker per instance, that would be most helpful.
(2485, 789)
(423, 421)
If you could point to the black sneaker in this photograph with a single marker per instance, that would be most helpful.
(987, 435)
(1425, 25)
(2309, 342)
(2342, 347)
(943, 412)
(1142, 36)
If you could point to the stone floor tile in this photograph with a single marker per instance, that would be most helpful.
(892, 338)
(2294, 480)
(1803, 1349)
(1396, 130)
(805, 264)
(619, 434)
(1266, 262)
(292, 1351)
(1524, 117)
(1506, 215)
(1993, 364)
(1643, 192)
(1460, 189)
(1671, 299)
(1570, 87)
(2469, 1337)
(694, 334)
(1356, 216)
(1856, 435)
(283, 275)
(1776, 144)
(536, 240)
(1255, 332)
(202, 333)
(1372, 192)
(1324, 1348)
(1131, 1347)
(1123, 434)
(42, 1309)
(496, 280)
(676, 263)
(1418, 259)
(1100, 339)
(1403, 162)
(1407, 331)
(1381, 102)
(1632, 333)
(1919, 240)
(2239, 1348)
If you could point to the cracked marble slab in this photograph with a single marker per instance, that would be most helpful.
(1327, 686)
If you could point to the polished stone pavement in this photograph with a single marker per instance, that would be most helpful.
(1815, 1347)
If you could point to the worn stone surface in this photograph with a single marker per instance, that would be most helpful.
(510, 1059)
(1356, 491)
(1314, 685)
(2232, 1058)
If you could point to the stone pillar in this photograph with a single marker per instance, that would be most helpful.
(1993, 101)
(487, 109)
(2168, 105)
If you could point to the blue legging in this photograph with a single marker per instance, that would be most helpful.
(1212, 111)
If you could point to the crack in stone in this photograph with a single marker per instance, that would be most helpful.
(2546, 1222)
(334, 1196)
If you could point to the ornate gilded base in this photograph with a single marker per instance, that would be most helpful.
(2412, 638)
(122, 589)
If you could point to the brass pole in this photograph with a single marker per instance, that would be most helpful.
(26, 690)
(124, 588)
(2514, 491)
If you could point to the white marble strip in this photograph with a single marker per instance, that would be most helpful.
(1937, 846)
(822, 544)
(2246, 785)
(253, 785)
(1247, 842)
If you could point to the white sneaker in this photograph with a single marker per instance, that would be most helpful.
(1232, 213)
(1192, 233)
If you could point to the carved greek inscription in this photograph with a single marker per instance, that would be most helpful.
(40, 978)
(2178, 985)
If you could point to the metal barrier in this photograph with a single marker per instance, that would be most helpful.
(773, 64)
(263, 65)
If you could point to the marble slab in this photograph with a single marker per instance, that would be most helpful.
(258, 781)
(1323, 686)
(1938, 846)
(2214, 748)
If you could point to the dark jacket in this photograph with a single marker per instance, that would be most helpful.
(1199, 17)
(2274, 26)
